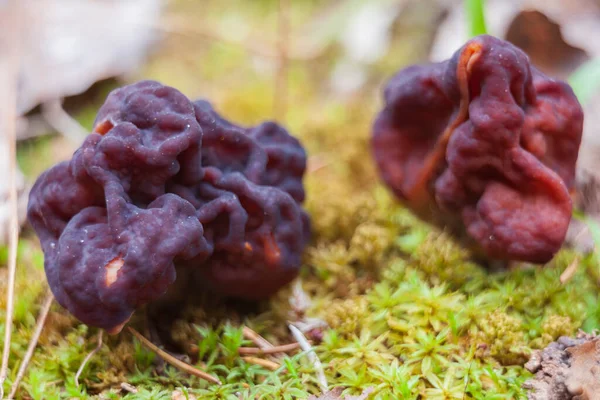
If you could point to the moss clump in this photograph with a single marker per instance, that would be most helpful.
(335, 210)
(444, 261)
(346, 316)
(370, 244)
(552, 328)
(331, 263)
(501, 336)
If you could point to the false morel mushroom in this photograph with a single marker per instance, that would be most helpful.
(164, 182)
(484, 145)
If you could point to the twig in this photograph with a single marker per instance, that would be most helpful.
(280, 94)
(272, 365)
(312, 356)
(172, 360)
(569, 272)
(39, 326)
(284, 348)
(8, 118)
(89, 357)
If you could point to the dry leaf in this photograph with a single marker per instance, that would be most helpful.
(541, 38)
(566, 369)
(70, 44)
(554, 33)
(584, 377)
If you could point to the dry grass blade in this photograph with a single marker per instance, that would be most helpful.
(172, 360)
(89, 357)
(284, 348)
(570, 271)
(8, 119)
(280, 95)
(262, 362)
(39, 326)
(305, 345)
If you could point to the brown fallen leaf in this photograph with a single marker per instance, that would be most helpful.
(568, 369)
(336, 394)
(554, 33)
(542, 39)
(68, 45)
(584, 377)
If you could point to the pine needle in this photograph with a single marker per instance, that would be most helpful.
(89, 357)
(172, 360)
(273, 366)
(39, 326)
(256, 338)
(284, 348)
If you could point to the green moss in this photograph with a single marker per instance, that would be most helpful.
(501, 336)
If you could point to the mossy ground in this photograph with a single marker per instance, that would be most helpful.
(409, 315)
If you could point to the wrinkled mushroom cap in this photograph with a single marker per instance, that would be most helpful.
(485, 145)
(160, 183)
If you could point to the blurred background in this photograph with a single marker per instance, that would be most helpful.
(316, 65)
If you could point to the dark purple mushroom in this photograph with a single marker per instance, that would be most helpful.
(162, 182)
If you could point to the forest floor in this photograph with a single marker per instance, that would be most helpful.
(397, 308)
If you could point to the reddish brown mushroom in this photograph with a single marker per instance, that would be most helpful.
(485, 145)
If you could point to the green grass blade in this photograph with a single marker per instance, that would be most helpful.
(585, 81)
(475, 17)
